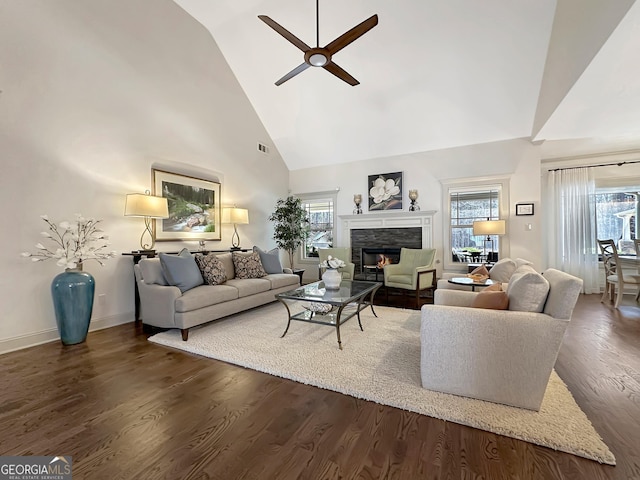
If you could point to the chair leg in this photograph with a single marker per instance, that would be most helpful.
(638, 295)
(606, 293)
(620, 292)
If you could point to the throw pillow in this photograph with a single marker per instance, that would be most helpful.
(527, 290)
(248, 265)
(211, 268)
(181, 270)
(227, 261)
(481, 270)
(270, 260)
(152, 271)
(502, 270)
(495, 300)
(496, 287)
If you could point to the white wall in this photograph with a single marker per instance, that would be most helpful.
(93, 95)
(518, 159)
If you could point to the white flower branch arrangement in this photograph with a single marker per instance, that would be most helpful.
(332, 263)
(75, 243)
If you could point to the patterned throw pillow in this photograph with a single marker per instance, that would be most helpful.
(248, 265)
(212, 268)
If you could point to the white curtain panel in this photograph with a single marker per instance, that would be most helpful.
(572, 225)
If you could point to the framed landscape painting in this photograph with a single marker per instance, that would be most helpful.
(385, 191)
(194, 207)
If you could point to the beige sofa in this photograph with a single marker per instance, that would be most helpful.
(502, 356)
(165, 306)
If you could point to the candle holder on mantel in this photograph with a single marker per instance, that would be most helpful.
(413, 196)
(357, 199)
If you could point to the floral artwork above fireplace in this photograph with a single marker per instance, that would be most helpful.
(385, 191)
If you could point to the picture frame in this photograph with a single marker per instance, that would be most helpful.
(194, 207)
(524, 209)
(385, 191)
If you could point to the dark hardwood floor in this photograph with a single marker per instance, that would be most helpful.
(128, 409)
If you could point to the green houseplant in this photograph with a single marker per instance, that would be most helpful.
(291, 225)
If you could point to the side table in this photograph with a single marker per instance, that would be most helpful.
(299, 272)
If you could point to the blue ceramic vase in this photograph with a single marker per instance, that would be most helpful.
(72, 292)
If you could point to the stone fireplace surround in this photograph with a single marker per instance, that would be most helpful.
(386, 230)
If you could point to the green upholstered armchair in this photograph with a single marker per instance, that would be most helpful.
(344, 254)
(413, 271)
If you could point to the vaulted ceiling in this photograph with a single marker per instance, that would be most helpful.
(435, 74)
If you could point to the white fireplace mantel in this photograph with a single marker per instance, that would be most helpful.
(389, 219)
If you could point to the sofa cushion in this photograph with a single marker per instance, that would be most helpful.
(181, 270)
(270, 260)
(521, 261)
(151, 270)
(502, 270)
(248, 265)
(227, 261)
(493, 299)
(211, 268)
(279, 280)
(564, 290)
(527, 290)
(204, 296)
(249, 286)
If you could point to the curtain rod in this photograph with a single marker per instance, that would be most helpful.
(619, 164)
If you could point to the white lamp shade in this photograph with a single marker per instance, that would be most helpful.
(142, 205)
(489, 227)
(235, 215)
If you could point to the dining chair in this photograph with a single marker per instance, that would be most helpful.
(614, 274)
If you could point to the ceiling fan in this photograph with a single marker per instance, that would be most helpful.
(321, 56)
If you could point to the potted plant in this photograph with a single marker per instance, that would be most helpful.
(291, 225)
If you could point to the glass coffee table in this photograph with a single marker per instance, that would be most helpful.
(330, 307)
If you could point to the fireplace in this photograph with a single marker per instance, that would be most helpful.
(378, 257)
(385, 230)
(367, 244)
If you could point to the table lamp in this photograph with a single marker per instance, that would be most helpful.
(235, 216)
(489, 227)
(149, 207)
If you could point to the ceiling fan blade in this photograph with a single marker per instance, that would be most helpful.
(293, 73)
(285, 33)
(353, 34)
(341, 73)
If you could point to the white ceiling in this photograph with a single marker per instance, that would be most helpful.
(433, 75)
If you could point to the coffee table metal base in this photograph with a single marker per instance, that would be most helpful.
(335, 316)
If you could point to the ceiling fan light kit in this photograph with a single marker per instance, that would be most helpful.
(321, 56)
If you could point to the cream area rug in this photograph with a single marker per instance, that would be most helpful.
(382, 364)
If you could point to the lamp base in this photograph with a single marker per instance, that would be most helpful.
(235, 249)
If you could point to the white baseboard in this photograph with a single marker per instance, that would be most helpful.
(45, 336)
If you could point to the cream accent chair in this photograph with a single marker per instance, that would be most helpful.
(501, 356)
(413, 272)
(344, 254)
(614, 273)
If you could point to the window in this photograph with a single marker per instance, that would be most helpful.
(616, 217)
(320, 211)
(466, 203)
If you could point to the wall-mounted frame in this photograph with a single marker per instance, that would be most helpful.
(385, 191)
(524, 209)
(194, 207)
